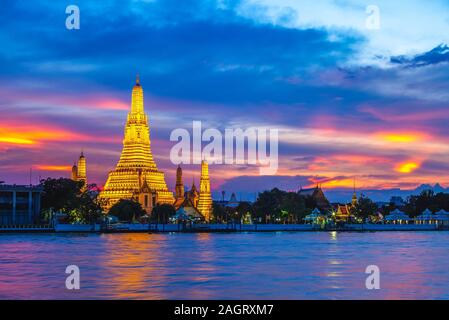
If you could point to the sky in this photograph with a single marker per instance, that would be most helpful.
(349, 101)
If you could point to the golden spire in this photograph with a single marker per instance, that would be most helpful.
(205, 200)
(179, 184)
(354, 197)
(137, 98)
(136, 162)
(82, 174)
(74, 174)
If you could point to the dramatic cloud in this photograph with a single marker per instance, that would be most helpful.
(348, 101)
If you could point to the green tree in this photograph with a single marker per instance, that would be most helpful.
(242, 209)
(365, 207)
(219, 213)
(162, 213)
(416, 204)
(268, 204)
(287, 206)
(127, 210)
(295, 207)
(61, 194)
(68, 196)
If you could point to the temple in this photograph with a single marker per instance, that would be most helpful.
(136, 176)
(354, 200)
(194, 204)
(317, 195)
(179, 189)
(205, 200)
(79, 171)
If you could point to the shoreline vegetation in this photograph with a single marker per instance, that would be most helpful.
(69, 206)
(216, 228)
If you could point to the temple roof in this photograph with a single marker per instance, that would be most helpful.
(308, 192)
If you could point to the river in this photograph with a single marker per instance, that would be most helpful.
(283, 265)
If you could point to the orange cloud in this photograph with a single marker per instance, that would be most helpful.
(16, 140)
(407, 167)
(31, 134)
(53, 168)
(400, 137)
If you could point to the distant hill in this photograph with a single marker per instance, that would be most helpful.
(344, 195)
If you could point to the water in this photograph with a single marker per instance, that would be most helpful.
(414, 265)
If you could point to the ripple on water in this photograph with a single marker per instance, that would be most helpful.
(225, 266)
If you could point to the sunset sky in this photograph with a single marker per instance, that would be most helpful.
(348, 101)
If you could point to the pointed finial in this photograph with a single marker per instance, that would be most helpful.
(138, 79)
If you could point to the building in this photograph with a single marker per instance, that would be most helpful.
(205, 200)
(355, 200)
(187, 202)
(317, 195)
(343, 213)
(79, 172)
(19, 204)
(136, 176)
(179, 189)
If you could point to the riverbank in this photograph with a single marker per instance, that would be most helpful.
(215, 228)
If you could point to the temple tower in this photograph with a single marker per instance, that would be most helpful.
(74, 174)
(179, 184)
(354, 200)
(205, 200)
(136, 162)
(193, 195)
(82, 174)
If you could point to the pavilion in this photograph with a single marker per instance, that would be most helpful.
(442, 217)
(316, 217)
(398, 217)
(427, 217)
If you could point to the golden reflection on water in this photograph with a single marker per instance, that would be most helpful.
(333, 235)
(226, 266)
(132, 264)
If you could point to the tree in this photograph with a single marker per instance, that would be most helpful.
(365, 207)
(242, 209)
(162, 213)
(61, 194)
(415, 205)
(127, 210)
(293, 207)
(69, 197)
(268, 204)
(277, 204)
(219, 212)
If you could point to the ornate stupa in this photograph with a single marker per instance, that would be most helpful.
(79, 171)
(205, 200)
(354, 200)
(179, 190)
(82, 175)
(136, 173)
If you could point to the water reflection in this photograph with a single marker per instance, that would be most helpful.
(226, 266)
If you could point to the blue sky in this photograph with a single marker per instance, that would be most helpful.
(348, 101)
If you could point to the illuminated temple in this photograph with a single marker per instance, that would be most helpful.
(136, 176)
(197, 205)
(79, 171)
(205, 199)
